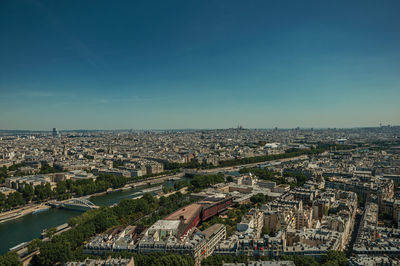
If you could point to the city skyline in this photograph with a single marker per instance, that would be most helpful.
(239, 127)
(177, 64)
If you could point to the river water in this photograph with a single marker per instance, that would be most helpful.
(31, 226)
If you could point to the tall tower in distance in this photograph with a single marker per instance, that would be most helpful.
(56, 134)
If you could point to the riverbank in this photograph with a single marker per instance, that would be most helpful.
(183, 190)
(36, 207)
(15, 214)
(133, 186)
(28, 227)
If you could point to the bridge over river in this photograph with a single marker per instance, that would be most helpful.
(78, 204)
(30, 226)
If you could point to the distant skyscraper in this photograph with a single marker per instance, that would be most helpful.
(56, 134)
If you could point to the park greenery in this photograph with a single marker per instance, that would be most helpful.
(44, 169)
(10, 259)
(63, 190)
(3, 174)
(67, 246)
(178, 185)
(230, 220)
(155, 259)
(300, 177)
(199, 182)
(181, 184)
(266, 158)
(47, 169)
(15, 169)
(259, 199)
(301, 260)
(290, 153)
(333, 257)
(263, 173)
(196, 183)
(217, 260)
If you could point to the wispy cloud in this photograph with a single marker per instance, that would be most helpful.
(65, 98)
(18, 93)
(123, 100)
(40, 94)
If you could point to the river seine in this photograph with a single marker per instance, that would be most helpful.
(31, 226)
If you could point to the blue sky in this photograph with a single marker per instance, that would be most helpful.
(198, 64)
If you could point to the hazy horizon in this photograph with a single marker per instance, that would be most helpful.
(165, 129)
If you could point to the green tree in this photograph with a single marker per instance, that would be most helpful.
(326, 211)
(27, 192)
(15, 199)
(53, 252)
(43, 192)
(267, 198)
(10, 259)
(61, 187)
(180, 184)
(3, 174)
(105, 219)
(67, 245)
(258, 198)
(2, 201)
(360, 199)
(218, 259)
(301, 260)
(47, 169)
(50, 232)
(334, 256)
(15, 167)
(203, 181)
(330, 263)
(35, 244)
